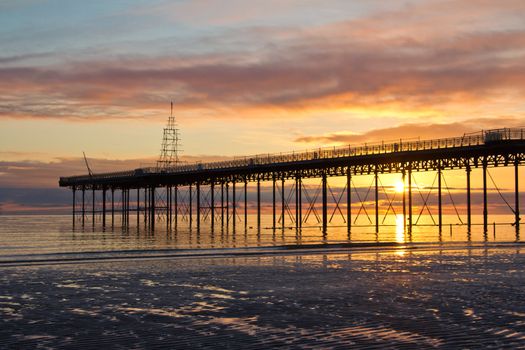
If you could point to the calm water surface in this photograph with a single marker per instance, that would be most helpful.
(23, 237)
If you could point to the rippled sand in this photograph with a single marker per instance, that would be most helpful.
(397, 298)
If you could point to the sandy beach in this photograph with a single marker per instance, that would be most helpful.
(455, 297)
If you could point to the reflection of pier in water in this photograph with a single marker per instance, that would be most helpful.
(209, 192)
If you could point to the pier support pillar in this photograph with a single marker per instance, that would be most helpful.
(273, 201)
(485, 203)
(104, 207)
(74, 204)
(198, 198)
(325, 202)
(93, 206)
(348, 199)
(152, 205)
(227, 205)
(283, 201)
(83, 204)
(168, 207)
(300, 183)
(297, 184)
(258, 202)
(127, 207)
(146, 206)
(403, 179)
(440, 201)
(410, 199)
(138, 207)
(190, 207)
(245, 203)
(376, 180)
(296, 203)
(212, 204)
(222, 203)
(122, 207)
(516, 196)
(112, 206)
(176, 204)
(234, 205)
(469, 203)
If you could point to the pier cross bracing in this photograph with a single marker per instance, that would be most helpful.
(209, 192)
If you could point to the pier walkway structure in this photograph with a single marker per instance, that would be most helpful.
(170, 192)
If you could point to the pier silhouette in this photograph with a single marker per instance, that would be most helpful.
(210, 191)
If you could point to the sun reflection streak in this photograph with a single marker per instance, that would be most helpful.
(400, 228)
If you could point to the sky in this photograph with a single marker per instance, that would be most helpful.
(245, 77)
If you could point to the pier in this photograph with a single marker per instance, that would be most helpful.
(217, 192)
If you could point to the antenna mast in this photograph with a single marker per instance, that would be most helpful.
(169, 153)
(87, 164)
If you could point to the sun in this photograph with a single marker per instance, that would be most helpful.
(399, 186)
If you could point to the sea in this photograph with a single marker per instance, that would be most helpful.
(54, 237)
(64, 285)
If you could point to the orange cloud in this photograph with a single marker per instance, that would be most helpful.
(391, 61)
(412, 130)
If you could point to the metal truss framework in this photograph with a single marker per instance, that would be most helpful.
(222, 182)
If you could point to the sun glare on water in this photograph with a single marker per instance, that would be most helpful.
(400, 228)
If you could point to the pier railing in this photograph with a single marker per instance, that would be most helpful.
(474, 139)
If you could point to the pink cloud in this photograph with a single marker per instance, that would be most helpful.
(42, 174)
(392, 59)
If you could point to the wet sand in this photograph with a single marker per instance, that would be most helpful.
(396, 298)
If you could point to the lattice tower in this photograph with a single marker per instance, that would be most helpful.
(170, 151)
